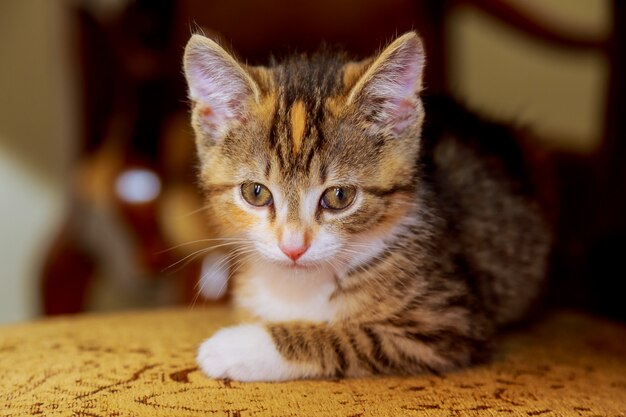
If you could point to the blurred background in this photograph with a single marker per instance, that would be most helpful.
(97, 188)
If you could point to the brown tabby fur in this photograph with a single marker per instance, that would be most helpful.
(470, 254)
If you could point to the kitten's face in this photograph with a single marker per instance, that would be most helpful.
(312, 161)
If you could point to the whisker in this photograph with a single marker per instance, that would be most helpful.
(198, 252)
(240, 262)
(193, 242)
(225, 262)
(198, 210)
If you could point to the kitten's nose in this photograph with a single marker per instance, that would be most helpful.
(294, 252)
(293, 242)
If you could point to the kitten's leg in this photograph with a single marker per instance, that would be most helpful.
(245, 353)
(281, 351)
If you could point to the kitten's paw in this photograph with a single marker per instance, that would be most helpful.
(244, 353)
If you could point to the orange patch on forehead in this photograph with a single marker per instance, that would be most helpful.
(298, 122)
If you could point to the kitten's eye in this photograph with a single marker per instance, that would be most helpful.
(256, 194)
(337, 198)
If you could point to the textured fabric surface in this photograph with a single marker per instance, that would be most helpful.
(142, 364)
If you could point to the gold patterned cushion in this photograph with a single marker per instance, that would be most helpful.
(142, 364)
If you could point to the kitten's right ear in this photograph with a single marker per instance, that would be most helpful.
(221, 90)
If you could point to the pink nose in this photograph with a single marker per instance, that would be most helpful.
(293, 252)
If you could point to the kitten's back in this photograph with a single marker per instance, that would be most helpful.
(482, 179)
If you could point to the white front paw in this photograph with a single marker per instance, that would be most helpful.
(244, 353)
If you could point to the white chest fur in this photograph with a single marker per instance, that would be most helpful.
(274, 293)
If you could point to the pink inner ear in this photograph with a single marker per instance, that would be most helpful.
(217, 87)
(209, 116)
(402, 115)
(215, 117)
(398, 83)
(206, 112)
(401, 109)
(408, 78)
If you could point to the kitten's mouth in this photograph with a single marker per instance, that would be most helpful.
(298, 266)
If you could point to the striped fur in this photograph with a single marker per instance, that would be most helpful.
(441, 245)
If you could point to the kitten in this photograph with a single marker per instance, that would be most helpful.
(365, 245)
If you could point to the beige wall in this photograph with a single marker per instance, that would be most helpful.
(560, 95)
(37, 142)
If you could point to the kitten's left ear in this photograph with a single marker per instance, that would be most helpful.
(388, 92)
(220, 88)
